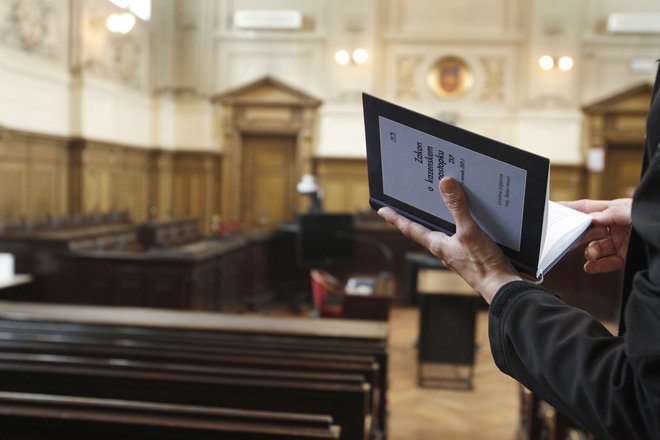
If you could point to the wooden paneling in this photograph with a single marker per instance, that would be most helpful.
(13, 204)
(567, 182)
(109, 177)
(196, 186)
(47, 191)
(43, 176)
(133, 183)
(161, 184)
(345, 183)
(33, 175)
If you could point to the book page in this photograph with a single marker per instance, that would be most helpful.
(413, 162)
(565, 226)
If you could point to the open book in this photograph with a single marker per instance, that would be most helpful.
(507, 188)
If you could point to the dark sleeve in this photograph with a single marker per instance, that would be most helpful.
(608, 385)
(567, 358)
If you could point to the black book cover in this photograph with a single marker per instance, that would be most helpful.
(408, 153)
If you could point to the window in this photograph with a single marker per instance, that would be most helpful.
(141, 8)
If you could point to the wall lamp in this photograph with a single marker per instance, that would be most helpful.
(120, 23)
(359, 56)
(548, 62)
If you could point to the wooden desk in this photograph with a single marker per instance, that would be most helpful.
(414, 262)
(19, 288)
(447, 307)
(369, 307)
(442, 281)
(372, 306)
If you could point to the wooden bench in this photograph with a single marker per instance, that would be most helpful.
(345, 401)
(266, 362)
(214, 330)
(28, 416)
(209, 343)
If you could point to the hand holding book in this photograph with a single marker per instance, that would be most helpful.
(409, 153)
(608, 238)
(469, 252)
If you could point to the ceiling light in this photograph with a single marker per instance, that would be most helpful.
(120, 23)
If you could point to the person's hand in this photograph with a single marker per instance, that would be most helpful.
(608, 238)
(469, 252)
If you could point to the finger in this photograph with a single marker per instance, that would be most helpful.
(586, 205)
(594, 233)
(454, 197)
(388, 214)
(609, 264)
(410, 229)
(600, 249)
(617, 215)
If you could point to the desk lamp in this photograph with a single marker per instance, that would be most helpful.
(308, 187)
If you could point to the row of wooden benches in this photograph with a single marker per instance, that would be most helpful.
(32, 416)
(160, 374)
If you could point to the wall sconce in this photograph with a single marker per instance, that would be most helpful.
(547, 62)
(120, 23)
(359, 56)
(565, 63)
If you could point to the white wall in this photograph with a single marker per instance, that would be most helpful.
(34, 71)
(183, 123)
(68, 75)
(111, 112)
(34, 94)
(341, 131)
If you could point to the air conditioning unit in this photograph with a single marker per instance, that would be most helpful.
(643, 65)
(253, 19)
(633, 23)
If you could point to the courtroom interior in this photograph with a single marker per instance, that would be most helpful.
(187, 248)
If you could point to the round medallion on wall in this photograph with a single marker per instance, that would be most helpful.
(449, 77)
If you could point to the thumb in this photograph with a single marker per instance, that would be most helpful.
(454, 197)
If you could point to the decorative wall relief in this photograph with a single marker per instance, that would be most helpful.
(493, 85)
(127, 54)
(450, 77)
(30, 26)
(115, 57)
(406, 66)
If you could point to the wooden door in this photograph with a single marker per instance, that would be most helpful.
(267, 180)
(622, 171)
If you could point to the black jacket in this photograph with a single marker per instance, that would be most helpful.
(609, 385)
